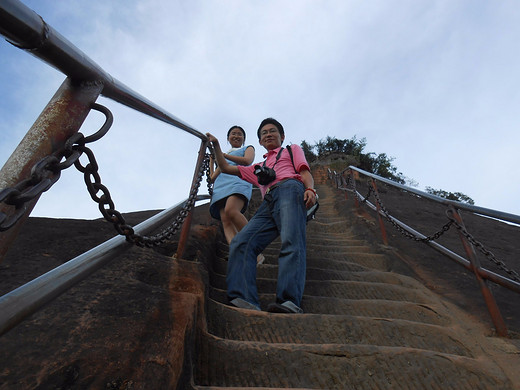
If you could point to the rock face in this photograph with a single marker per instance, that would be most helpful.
(397, 316)
(123, 327)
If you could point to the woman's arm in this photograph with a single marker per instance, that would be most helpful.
(213, 172)
(247, 159)
(213, 176)
(223, 165)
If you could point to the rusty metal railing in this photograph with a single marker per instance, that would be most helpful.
(27, 299)
(50, 136)
(469, 243)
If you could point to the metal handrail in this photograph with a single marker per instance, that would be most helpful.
(27, 30)
(471, 263)
(27, 299)
(459, 205)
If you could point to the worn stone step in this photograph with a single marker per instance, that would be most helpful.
(330, 260)
(339, 226)
(431, 312)
(358, 261)
(346, 290)
(220, 265)
(320, 249)
(329, 242)
(366, 290)
(319, 259)
(362, 367)
(317, 234)
(268, 273)
(235, 324)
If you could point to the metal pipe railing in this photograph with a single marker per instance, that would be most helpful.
(27, 299)
(481, 274)
(459, 205)
(28, 31)
(25, 29)
(59, 120)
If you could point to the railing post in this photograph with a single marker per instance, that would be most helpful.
(380, 219)
(491, 304)
(353, 181)
(60, 119)
(344, 183)
(187, 221)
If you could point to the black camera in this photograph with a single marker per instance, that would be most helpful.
(265, 174)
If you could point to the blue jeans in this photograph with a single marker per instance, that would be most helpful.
(281, 213)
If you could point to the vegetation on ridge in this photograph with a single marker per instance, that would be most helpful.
(347, 152)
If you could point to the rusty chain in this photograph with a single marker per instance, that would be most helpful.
(45, 173)
(489, 255)
(406, 233)
(477, 244)
(365, 199)
(400, 229)
(48, 170)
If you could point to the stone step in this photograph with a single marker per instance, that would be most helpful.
(363, 327)
(250, 364)
(343, 290)
(322, 260)
(220, 265)
(233, 324)
(269, 273)
(431, 313)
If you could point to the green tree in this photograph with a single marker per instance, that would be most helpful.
(458, 196)
(308, 151)
(379, 164)
(383, 167)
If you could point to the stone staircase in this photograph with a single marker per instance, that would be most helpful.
(364, 326)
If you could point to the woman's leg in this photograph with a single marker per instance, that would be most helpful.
(232, 219)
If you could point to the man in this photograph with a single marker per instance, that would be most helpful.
(282, 212)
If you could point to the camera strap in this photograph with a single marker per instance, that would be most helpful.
(278, 157)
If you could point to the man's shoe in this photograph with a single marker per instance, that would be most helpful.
(286, 307)
(243, 304)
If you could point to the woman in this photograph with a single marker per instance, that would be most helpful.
(231, 194)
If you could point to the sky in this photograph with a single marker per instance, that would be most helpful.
(435, 84)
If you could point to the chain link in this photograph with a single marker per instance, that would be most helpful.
(48, 170)
(364, 200)
(208, 175)
(406, 233)
(489, 255)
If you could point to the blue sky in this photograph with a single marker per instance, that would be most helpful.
(434, 84)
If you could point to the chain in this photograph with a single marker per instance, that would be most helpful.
(101, 195)
(48, 170)
(208, 175)
(399, 228)
(489, 255)
(45, 173)
(406, 233)
(161, 237)
(364, 200)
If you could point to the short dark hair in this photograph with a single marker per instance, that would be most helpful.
(270, 121)
(236, 127)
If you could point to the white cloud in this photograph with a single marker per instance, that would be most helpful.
(434, 84)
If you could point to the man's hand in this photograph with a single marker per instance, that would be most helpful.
(309, 197)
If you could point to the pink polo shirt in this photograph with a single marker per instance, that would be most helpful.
(284, 168)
